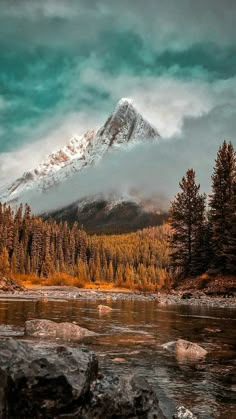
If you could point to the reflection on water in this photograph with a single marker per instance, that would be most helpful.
(135, 330)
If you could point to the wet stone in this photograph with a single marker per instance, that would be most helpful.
(41, 328)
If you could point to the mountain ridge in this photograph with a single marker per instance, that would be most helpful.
(124, 125)
(102, 216)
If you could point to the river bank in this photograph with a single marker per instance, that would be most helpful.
(197, 298)
(134, 338)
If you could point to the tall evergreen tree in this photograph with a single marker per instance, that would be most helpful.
(230, 246)
(222, 205)
(4, 262)
(187, 216)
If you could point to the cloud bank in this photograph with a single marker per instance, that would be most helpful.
(145, 171)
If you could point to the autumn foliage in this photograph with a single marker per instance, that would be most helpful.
(51, 253)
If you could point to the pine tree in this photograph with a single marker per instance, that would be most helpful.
(4, 262)
(201, 249)
(13, 263)
(110, 272)
(142, 275)
(222, 208)
(47, 267)
(129, 275)
(230, 247)
(151, 274)
(82, 271)
(187, 214)
(119, 277)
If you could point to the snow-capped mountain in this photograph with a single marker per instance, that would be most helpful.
(124, 125)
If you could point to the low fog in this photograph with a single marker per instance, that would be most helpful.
(141, 172)
(148, 170)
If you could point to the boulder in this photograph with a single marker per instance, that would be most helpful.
(104, 309)
(43, 382)
(126, 397)
(186, 349)
(41, 328)
(60, 382)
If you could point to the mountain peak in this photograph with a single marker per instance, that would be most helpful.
(124, 125)
(125, 101)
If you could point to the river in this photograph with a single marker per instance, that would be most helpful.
(134, 331)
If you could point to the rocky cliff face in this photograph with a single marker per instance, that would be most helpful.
(124, 125)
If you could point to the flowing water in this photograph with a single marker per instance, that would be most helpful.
(134, 332)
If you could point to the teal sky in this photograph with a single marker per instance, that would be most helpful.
(64, 64)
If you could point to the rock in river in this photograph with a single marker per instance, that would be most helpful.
(48, 329)
(60, 382)
(43, 382)
(185, 349)
(126, 397)
(104, 309)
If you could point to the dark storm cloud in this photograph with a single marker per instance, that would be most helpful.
(64, 64)
(178, 23)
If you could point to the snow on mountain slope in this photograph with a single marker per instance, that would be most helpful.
(124, 125)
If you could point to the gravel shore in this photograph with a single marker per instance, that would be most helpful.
(72, 293)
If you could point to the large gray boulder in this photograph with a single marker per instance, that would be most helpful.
(126, 397)
(43, 382)
(56, 382)
(41, 328)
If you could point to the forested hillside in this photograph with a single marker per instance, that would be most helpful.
(46, 249)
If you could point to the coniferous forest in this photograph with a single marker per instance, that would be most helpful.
(45, 249)
(199, 237)
(204, 236)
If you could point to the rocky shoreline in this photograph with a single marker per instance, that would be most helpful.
(42, 381)
(34, 364)
(45, 293)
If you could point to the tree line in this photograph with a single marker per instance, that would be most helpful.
(204, 236)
